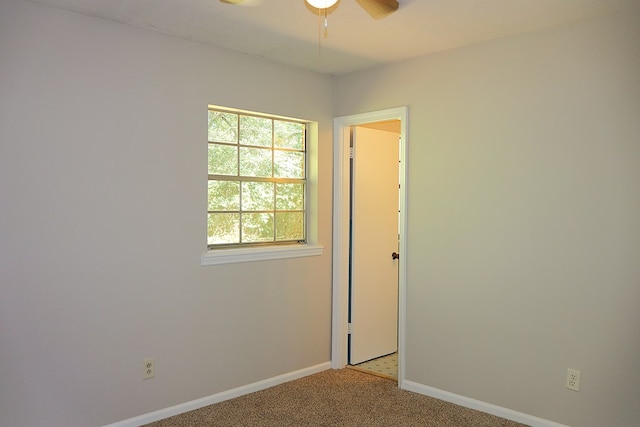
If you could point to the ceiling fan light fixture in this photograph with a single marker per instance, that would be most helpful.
(322, 4)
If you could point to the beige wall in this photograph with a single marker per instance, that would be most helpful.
(103, 183)
(524, 218)
(524, 235)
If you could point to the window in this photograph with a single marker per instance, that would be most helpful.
(256, 179)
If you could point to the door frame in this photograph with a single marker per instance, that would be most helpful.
(341, 200)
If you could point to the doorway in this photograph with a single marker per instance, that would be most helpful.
(373, 261)
(341, 232)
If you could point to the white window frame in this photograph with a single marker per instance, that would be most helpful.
(274, 251)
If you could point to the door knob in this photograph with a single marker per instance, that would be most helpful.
(395, 255)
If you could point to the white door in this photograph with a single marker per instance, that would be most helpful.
(374, 238)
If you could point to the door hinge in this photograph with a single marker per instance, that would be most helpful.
(351, 152)
(348, 328)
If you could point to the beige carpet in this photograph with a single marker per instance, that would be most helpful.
(335, 398)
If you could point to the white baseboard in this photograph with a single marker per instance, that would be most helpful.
(220, 397)
(478, 405)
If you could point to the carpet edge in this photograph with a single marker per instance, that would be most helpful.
(478, 405)
(220, 397)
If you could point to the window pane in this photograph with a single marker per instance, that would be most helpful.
(289, 226)
(288, 135)
(257, 227)
(288, 164)
(223, 127)
(224, 196)
(289, 197)
(257, 196)
(255, 162)
(223, 160)
(255, 131)
(254, 152)
(223, 228)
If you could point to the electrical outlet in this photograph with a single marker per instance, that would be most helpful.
(573, 379)
(148, 368)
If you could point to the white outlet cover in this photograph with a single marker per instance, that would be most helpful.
(148, 368)
(573, 379)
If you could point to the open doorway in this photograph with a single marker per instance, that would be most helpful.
(341, 232)
(373, 258)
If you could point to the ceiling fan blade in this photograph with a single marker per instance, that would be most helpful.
(232, 1)
(379, 8)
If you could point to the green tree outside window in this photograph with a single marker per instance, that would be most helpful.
(257, 181)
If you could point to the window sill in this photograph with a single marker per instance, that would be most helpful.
(228, 256)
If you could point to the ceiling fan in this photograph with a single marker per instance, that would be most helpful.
(376, 8)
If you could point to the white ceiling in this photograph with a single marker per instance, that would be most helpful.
(287, 31)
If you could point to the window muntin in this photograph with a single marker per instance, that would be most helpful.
(256, 179)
